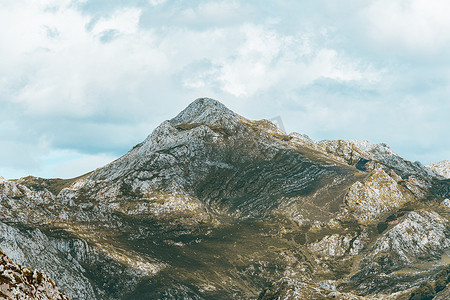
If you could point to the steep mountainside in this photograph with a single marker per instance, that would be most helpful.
(212, 205)
(17, 282)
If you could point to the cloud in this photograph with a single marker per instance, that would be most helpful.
(216, 13)
(157, 2)
(415, 26)
(74, 73)
(58, 77)
(95, 77)
(124, 21)
(262, 58)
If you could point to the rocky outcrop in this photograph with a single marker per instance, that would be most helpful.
(376, 195)
(403, 257)
(337, 246)
(441, 168)
(419, 235)
(290, 289)
(346, 151)
(18, 282)
(20, 203)
(366, 156)
(31, 247)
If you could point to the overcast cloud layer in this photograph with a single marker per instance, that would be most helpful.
(81, 82)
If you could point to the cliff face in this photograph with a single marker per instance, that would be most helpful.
(212, 205)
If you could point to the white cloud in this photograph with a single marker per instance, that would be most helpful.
(157, 2)
(125, 21)
(65, 62)
(70, 71)
(219, 10)
(411, 25)
(85, 79)
(262, 58)
(216, 13)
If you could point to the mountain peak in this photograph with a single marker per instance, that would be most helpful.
(203, 110)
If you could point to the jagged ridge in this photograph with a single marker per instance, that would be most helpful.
(212, 205)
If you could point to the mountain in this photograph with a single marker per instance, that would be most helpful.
(17, 282)
(212, 205)
(441, 168)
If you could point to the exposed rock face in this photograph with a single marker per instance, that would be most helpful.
(27, 246)
(289, 289)
(418, 235)
(337, 246)
(346, 151)
(212, 205)
(376, 195)
(18, 202)
(441, 168)
(366, 156)
(17, 282)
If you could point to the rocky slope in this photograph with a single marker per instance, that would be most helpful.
(441, 168)
(212, 205)
(17, 282)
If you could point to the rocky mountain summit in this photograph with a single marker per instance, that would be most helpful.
(212, 205)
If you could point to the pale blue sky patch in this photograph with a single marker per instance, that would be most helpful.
(82, 81)
(108, 35)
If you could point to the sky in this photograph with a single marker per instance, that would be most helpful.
(83, 81)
